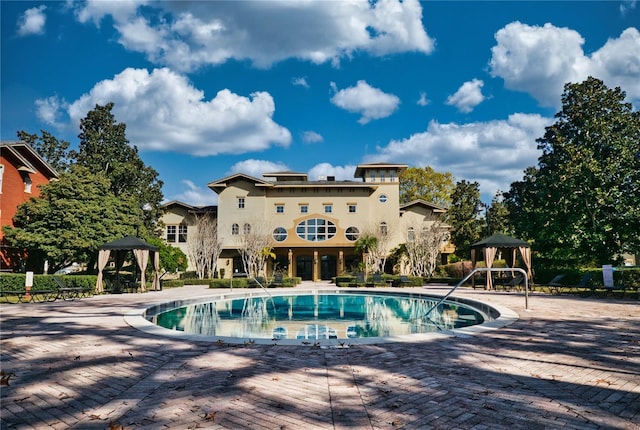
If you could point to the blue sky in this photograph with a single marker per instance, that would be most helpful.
(208, 89)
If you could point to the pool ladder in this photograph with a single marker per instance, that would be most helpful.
(484, 269)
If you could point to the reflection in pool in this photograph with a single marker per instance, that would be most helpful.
(316, 315)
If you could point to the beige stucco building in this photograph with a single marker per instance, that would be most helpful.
(313, 225)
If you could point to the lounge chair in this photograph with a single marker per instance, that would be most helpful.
(554, 286)
(358, 281)
(377, 279)
(278, 279)
(513, 283)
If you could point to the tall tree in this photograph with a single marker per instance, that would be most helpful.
(582, 203)
(498, 215)
(465, 228)
(203, 245)
(52, 150)
(426, 184)
(70, 219)
(104, 147)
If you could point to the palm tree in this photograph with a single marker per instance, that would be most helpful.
(364, 245)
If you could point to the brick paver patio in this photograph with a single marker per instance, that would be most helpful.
(569, 363)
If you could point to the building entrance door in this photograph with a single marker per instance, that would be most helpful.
(304, 267)
(328, 267)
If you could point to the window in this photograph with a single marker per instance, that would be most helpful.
(182, 233)
(1, 175)
(235, 229)
(280, 234)
(382, 178)
(392, 176)
(304, 209)
(171, 233)
(316, 230)
(372, 177)
(352, 208)
(383, 228)
(27, 184)
(279, 209)
(247, 228)
(240, 202)
(328, 208)
(411, 235)
(352, 233)
(382, 198)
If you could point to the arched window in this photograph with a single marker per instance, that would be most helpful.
(383, 229)
(247, 228)
(411, 234)
(235, 229)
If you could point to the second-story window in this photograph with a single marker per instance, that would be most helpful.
(279, 209)
(240, 202)
(328, 208)
(304, 209)
(383, 228)
(235, 229)
(182, 233)
(352, 208)
(171, 233)
(247, 228)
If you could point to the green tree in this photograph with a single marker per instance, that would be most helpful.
(104, 147)
(461, 215)
(498, 215)
(172, 259)
(52, 150)
(582, 203)
(426, 184)
(71, 219)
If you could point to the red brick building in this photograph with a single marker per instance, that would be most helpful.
(22, 172)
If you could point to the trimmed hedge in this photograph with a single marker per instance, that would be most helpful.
(15, 282)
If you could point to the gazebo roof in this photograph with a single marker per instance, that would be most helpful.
(129, 242)
(499, 240)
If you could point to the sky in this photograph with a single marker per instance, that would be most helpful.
(212, 88)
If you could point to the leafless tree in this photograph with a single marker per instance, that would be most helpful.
(254, 247)
(203, 245)
(423, 243)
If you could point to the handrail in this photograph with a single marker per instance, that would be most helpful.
(484, 269)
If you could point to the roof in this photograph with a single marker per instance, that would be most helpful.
(129, 242)
(499, 240)
(362, 168)
(420, 202)
(220, 184)
(28, 160)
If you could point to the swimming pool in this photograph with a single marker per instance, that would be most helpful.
(318, 316)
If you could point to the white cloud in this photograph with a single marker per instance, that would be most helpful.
(540, 60)
(494, 153)
(301, 82)
(311, 137)
(164, 112)
(365, 100)
(215, 32)
(32, 21)
(196, 196)
(423, 100)
(627, 5)
(256, 168)
(50, 111)
(95, 10)
(468, 96)
(341, 173)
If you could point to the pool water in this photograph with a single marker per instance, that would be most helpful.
(316, 316)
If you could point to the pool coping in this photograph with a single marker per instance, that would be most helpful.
(136, 319)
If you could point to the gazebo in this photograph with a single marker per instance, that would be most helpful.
(493, 243)
(141, 251)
